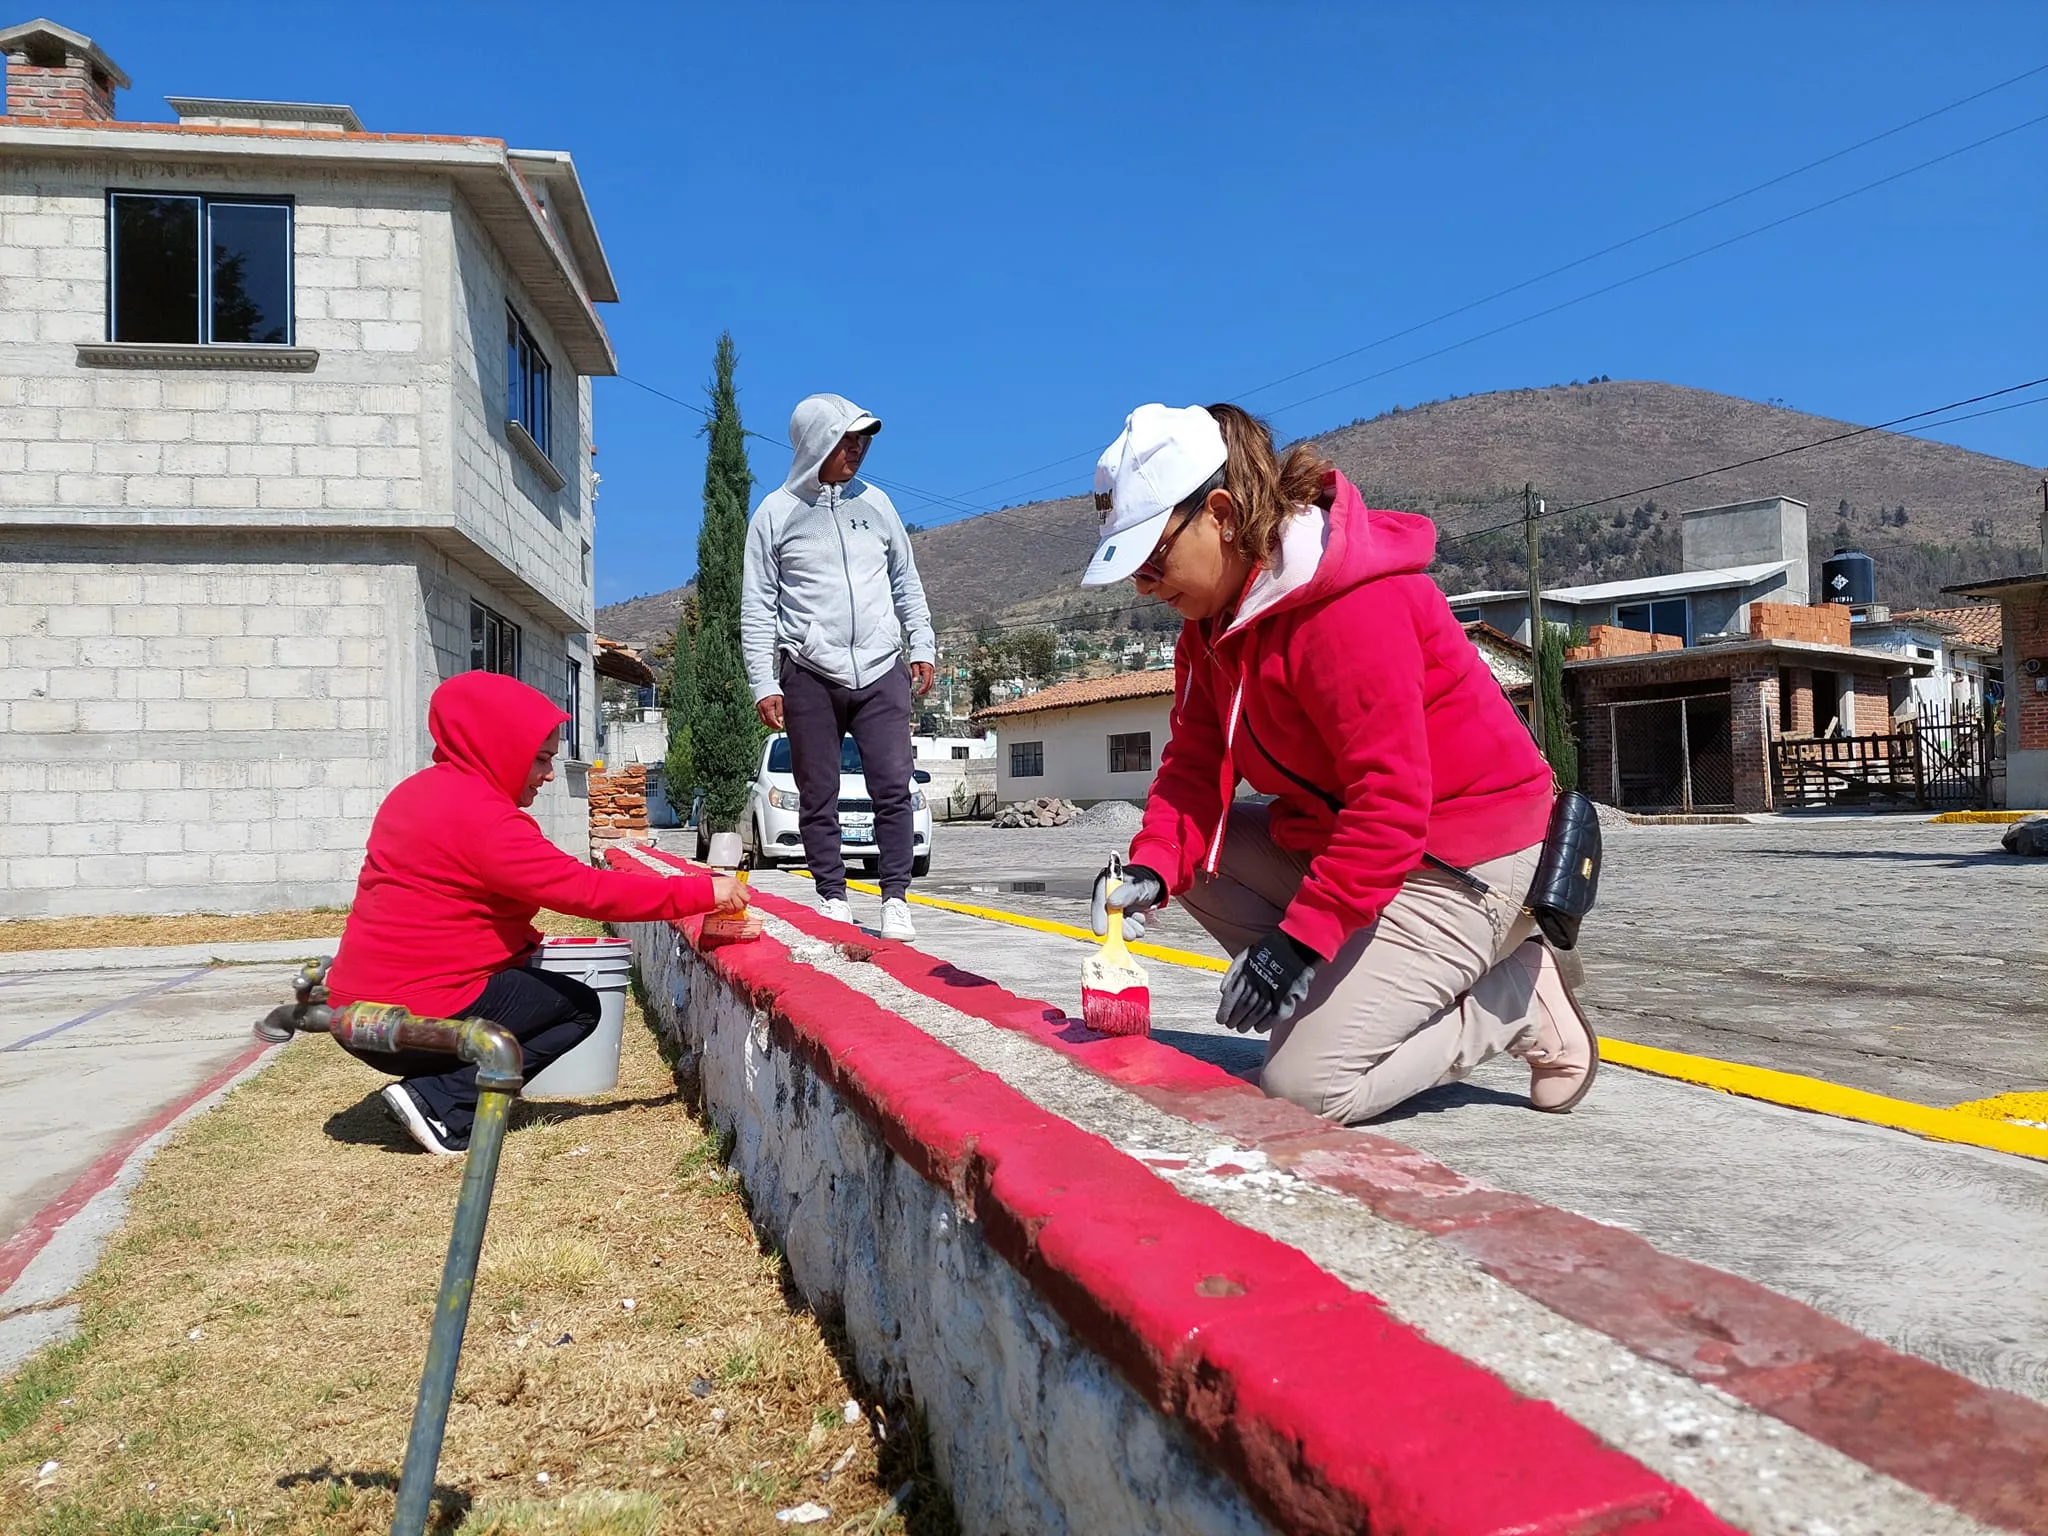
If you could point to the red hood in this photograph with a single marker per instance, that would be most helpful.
(1324, 553)
(491, 726)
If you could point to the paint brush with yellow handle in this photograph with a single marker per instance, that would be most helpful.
(1116, 994)
(730, 928)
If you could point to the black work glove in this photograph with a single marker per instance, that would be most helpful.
(1138, 889)
(1267, 983)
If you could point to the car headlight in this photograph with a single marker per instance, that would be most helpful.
(783, 799)
(917, 799)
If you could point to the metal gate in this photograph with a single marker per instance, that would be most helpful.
(1673, 754)
(1940, 760)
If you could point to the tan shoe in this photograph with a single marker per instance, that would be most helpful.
(1561, 1049)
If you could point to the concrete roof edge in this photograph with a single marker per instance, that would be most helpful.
(1980, 589)
(1871, 660)
(342, 115)
(581, 229)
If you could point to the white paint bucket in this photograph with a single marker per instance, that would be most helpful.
(593, 1067)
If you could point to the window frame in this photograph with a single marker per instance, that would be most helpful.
(1032, 752)
(1649, 607)
(572, 705)
(1123, 745)
(524, 404)
(201, 255)
(488, 631)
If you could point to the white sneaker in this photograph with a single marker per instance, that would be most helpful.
(430, 1133)
(896, 923)
(837, 909)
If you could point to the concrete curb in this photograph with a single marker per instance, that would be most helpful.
(1237, 1341)
(139, 957)
(1975, 1448)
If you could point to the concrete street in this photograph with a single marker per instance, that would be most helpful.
(90, 1050)
(1882, 953)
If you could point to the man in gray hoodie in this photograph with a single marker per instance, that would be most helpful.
(828, 600)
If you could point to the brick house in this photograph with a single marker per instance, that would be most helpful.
(1665, 726)
(2023, 602)
(294, 424)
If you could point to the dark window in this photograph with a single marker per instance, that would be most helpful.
(493, 642)
(1664, 617)
(1465, 615)
(779, 760)
(1027, 759)
(573, 704)
(1131, 754)
(960, 754)
(526, 382)
(190, 269)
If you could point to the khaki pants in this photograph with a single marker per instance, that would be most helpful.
(1418, 998)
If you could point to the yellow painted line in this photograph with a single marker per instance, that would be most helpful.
(1967, 1125)
(1186, 957)
(2024, 1107)
(1979, 818)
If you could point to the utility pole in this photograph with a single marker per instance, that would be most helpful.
(1530, 511)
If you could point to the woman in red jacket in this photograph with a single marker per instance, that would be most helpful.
(1319, 665)
(456, 869)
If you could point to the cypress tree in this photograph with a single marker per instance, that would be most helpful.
(1558, 744)
(679, 768)
(724, 732)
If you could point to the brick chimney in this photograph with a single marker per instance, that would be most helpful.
(53, 72)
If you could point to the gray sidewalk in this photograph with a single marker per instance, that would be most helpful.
(1930, 1247)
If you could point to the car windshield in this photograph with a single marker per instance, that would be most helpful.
(849, 755)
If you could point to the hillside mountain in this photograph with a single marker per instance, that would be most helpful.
(1928, 513)
(641, 622)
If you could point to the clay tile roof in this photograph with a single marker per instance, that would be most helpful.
(1157, 683)
(621, 663)
(1978, 624)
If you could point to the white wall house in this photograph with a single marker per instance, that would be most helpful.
(294, 424)
(1096, 739)
(1959, 649)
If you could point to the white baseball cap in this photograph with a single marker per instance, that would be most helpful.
(1162, 457)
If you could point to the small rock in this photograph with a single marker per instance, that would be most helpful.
(718, 1415)
(567, 1338)
(196, 1335)
(628, 1303)
(845, 1459)
(540, 1477)
(47, 1471)
(805, 1513)
(851, 1412)
(700, 1386)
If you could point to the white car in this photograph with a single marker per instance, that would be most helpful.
(770, 830)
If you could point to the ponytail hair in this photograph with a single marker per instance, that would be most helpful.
(1264, 489)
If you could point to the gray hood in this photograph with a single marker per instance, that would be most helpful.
(815, 427)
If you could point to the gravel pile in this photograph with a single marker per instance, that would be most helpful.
(1612, 818)
(1111, 816)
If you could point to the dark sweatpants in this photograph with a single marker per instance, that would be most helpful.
(816, 714)
(549, 1014)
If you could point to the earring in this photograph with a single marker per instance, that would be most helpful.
(1229, 534)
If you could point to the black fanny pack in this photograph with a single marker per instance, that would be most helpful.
(1567, 878)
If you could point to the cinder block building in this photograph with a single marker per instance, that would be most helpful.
(294, 424)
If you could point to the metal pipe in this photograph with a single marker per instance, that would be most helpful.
(500, 1074)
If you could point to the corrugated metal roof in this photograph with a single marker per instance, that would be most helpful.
(1645, 586)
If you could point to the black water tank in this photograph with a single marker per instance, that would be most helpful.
(1850, 576)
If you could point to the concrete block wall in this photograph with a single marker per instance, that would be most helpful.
(500, 498)
(355, 436)
(204, 733)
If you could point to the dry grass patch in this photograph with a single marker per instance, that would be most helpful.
(253, 1338)
(26, 933)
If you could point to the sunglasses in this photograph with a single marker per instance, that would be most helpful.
(1154, 568)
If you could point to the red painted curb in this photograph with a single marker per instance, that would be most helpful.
(1979, 1449)
(19, 1251)
(1332, 1415)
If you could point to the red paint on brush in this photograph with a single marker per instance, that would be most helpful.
(1128, 1012)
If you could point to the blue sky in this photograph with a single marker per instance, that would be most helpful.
(1000, 227)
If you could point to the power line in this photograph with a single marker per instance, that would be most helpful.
(1762, 458)
(1661, 267)
(1637, 239)
(1594, 256)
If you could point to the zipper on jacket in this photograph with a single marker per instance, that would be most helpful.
(852, 603)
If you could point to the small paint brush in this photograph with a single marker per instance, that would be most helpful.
(1116, 994)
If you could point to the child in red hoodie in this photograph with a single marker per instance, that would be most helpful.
(443, 916)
